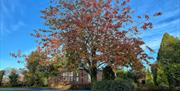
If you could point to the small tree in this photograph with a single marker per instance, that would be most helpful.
(154, 70)
(38, 69)
(1, 76)
(13, 77)
(149, 78)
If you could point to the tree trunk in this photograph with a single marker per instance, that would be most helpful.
(93, 74)
(93, 68)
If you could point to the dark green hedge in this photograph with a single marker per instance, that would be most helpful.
(113, 85)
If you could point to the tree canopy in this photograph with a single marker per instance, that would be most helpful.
(94, 32)
(90, 34)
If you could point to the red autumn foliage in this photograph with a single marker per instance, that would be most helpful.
(147, 25)
(95, 27)
(93, 31)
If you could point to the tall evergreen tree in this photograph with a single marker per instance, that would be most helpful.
(168, 57)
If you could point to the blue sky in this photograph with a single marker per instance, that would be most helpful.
(18, 18)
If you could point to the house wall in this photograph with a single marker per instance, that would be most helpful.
(66, 78)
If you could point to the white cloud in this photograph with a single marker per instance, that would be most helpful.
(7, 29)
(159, 26)
(9, 22)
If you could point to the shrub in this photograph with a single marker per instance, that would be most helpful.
(113, 85)
(121, 74)
(108, 73)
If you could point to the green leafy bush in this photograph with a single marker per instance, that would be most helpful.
(108, 73)
(113, 85)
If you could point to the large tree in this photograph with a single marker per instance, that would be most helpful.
(94, 32)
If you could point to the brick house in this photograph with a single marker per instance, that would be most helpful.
(80, 77)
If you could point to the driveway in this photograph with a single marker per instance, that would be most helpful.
(36, 89)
